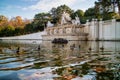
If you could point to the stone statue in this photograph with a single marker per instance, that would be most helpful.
(76, 21)
(49, 24)
(65, 18)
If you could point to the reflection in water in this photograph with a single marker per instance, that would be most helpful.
(77, 60)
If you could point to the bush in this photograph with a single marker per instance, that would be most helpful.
(110, 15)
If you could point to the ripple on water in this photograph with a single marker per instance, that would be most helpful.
(9, 75)
(33, 66)
(7, 59)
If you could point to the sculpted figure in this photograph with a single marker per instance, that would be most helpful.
(65, 18)
(77, 20)
(49, 24)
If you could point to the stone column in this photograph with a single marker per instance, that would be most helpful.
(87, 24)
(115, 28)
(58, 31)
(73, 28)
(88, 29)
(48, 32)
(96, 29)
(101, 30)
(64, 30)
(93, 29)
(52, 31)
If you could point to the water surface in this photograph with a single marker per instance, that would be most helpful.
(77, 60)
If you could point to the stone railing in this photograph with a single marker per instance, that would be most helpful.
(64, 29)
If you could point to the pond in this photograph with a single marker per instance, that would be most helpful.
(76, 60)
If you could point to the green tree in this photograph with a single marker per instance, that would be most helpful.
(29, 28)
(80, 14)
(57, 12)
(7, 31)
(118, 3)
(18, 31)
(53, 13)
(107, 4)
(90, 13)
(110, 15)
(62, 8)
(40, 21)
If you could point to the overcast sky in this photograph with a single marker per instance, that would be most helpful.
(28, 8)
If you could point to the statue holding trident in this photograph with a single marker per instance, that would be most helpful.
(65, 18)
(77, 20)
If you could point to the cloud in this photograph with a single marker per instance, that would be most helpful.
(46, 5)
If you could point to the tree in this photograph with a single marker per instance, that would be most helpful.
(29, 28)
(56, 13)
(97, 7)
(117, 2)
(3, 18)
(3, 21)
(107, 5)
(90, 13)
(106, 8)
(14, 26)
(62, 8)
(17, 22)
(80, 14)
(53, 12)
(7, 31)
(40, 21)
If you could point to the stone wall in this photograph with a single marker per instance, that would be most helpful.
(103, 30)
(69, 32)
(65, 29)
(68, 37)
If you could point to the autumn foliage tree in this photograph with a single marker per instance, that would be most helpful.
(14, 26)
(17, 22)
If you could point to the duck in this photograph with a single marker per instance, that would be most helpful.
(8, 50)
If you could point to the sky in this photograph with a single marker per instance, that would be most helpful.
(28, 8)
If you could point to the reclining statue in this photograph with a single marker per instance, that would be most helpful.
(65, 18)
(49, 24)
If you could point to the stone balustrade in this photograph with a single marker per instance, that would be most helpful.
(64, 29)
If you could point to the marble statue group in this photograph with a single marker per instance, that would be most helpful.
(66, 19)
